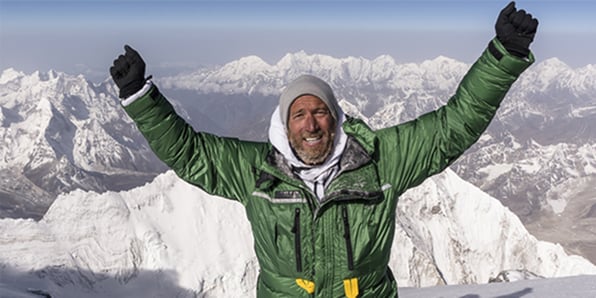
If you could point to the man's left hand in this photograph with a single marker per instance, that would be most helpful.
(516, 30)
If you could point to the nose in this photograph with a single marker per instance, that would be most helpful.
(311, 123)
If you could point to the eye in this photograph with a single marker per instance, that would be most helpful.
(322, 112)
(298, 115)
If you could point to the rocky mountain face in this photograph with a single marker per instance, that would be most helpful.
(60, 133)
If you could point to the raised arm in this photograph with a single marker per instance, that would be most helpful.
(427, 145)
(213, 163)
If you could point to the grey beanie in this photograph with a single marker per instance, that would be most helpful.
(306, 85)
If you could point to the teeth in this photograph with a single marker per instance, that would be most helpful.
(312, 139)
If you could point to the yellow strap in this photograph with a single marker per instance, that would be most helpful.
(307, 285)
(351, 287)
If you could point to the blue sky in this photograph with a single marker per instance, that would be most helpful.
(85, 36)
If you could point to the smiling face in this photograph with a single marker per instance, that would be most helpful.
(311, 129)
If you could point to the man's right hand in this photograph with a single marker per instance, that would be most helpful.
(128, 72)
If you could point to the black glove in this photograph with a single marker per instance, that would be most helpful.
(516, 30)
(128, 72)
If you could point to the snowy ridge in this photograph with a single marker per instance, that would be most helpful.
(251, 73)
(168, 238)
(50, 108)
(554, 73)
(471, 237)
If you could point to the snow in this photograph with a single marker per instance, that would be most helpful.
(10, 74)
(59, 132)
(583, 112)
(568, 287)
(91, 244)
(168, 238)
(251, 74)
(494, 171)
(558, 205)
(583, 286)
(531, 167)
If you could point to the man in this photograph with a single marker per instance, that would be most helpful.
(321, 195)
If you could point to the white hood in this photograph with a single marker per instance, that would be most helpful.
(313, 176)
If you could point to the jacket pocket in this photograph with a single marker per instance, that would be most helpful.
(297, 240)
(347, 237)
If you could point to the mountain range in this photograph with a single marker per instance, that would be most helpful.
(61, 132)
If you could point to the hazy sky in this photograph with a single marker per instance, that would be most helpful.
(85, 36)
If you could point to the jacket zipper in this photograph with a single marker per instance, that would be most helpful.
(347, 237)
(297, 246)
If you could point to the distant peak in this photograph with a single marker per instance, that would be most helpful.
(252, 59)
(247, 64)
(385, 59)
(301, 55)
(553, 62)
(10, 74)
(442, 59)
(48, 76)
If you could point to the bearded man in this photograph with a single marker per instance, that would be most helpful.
(321, 195)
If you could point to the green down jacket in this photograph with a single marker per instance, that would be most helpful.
(339, 246)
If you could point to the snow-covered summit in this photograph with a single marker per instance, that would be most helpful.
(10, 74)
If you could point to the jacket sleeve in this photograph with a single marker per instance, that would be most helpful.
(413, 151)
(220, 166)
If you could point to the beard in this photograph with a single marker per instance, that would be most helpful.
(312, 155)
